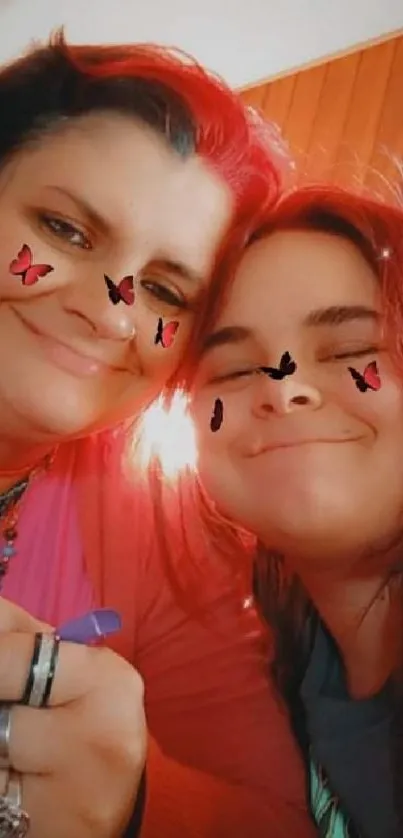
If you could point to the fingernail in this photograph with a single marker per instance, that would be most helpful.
(91, 626)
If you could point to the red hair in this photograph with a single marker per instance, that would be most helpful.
(196, 541)
(228, 135)
(374, 226)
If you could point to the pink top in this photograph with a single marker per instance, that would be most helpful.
(222, 760)
(47, 576)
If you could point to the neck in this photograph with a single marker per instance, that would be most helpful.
(17, 459)
(364, 616)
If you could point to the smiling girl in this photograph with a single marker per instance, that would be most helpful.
(130, 163)
(311, 464)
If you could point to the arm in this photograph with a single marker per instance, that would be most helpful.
(183, 802)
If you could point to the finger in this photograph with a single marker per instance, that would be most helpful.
(45, 741)
(40, 739)
(76, 668)
(92, 800)
(14, 618)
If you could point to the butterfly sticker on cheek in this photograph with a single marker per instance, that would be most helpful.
(287, 367)
(165, 334)
(23, 266)
(368, 380)
(217, 417)
(122, 293)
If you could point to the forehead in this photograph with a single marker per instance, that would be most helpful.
(142, 188)
(292, 272)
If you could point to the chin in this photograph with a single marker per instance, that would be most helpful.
(288, 523)
(318, 540)
(51, 416)
(62, 408)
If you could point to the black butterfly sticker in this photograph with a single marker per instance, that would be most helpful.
(287, 367)
(218, 416)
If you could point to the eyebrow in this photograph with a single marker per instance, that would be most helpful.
(92, 214)
(332, 316)
(178, 268)
(227, 335)
(337, 315)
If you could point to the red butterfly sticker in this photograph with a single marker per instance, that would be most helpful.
(122, 293)
(218, 416)
(22, 266)
(165, 334)
(369, 380)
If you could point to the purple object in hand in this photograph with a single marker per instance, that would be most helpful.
(91, 626)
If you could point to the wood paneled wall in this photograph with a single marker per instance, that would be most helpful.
(342, 119)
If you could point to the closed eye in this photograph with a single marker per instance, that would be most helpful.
(232, 376)
(357, 353)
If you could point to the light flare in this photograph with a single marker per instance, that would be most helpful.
(167, 433)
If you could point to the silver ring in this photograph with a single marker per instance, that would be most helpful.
(5, 732)
(14, 822)
(41, 671)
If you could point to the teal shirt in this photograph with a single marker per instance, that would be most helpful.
(351, 788)
(326, 808)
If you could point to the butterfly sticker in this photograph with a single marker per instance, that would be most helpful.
(165, 334)
(369, 380)
(122, 293)
(22, 266)
(218, 416)
(287, 367)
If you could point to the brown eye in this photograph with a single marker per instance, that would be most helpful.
(66, 231)
(163, 294)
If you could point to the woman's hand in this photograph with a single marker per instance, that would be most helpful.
(82, 757)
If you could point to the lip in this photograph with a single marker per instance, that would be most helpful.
(298, 443)
(65, 356)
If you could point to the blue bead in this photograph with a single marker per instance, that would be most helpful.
(8, 550)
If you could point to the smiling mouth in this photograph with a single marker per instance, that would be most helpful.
(278, 446)
(67, 357)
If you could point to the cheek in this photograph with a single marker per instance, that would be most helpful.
(160, 347)
(218, 461)
(381, 409)
(28, 269)
(220, 419)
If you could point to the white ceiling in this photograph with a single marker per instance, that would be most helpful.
(245, 42)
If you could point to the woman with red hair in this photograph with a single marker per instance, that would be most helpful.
(122, 171)
(306, 358)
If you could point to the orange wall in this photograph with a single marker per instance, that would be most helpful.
(338, 116)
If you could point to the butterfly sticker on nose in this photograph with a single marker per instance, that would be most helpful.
(287, 367)
(165, 334)
(368, 380)
(217, 417)
(23, 266)
(122, 293)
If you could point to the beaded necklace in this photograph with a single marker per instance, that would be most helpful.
(10, 504)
